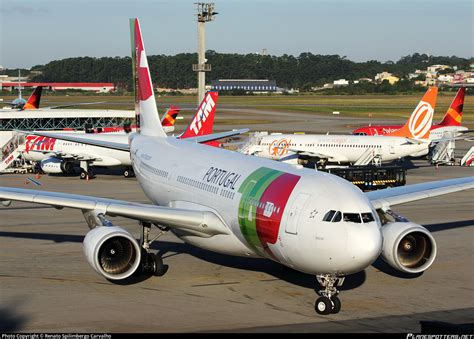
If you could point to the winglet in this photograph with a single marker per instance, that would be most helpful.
(453, 115)
(34, 99)
(419, 124)
(203, 121)
(148, 121)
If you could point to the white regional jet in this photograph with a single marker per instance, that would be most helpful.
(412, 139)
(227, 202)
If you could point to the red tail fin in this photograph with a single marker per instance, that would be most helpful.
(34, 99)
(170, 117)
(453, 115)
(419, 124)
(148, 120)
(203, 121)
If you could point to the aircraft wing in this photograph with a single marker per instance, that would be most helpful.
(76, 104)
(417, 141)
(200, 223)
(62, 155)
(399, 195)
(215, 136)
(126, 147)
(308, 153)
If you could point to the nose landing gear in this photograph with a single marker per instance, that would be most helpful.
(328, 302)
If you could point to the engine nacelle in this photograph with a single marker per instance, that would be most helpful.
(55, 165)
(408, 247)
(112, 252)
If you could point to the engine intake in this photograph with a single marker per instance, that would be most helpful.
(112, 252)
(408, 247)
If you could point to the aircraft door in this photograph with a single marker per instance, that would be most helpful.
(294, 213)
(391, 148)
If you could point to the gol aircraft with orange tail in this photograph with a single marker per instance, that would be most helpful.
(411, 140)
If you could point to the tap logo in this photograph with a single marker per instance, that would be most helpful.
(420, 121)
(279, 147)
(205, 109)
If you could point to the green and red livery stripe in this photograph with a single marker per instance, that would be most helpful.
(265, 194)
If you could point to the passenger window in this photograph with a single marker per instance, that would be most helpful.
(352, 217)
(337, 217)
(367, 217)
(328, 216)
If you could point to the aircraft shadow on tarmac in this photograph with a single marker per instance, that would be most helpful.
(168, 248)
(10, 319)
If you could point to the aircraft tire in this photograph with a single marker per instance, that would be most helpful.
(159, 269)
(336, 305)
(323, 306)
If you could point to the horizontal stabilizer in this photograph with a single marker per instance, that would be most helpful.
(215, 136)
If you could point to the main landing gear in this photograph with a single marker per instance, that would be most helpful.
(128, 173)
(152, 263)
(328, 302)
(89, 174)
(86, 171)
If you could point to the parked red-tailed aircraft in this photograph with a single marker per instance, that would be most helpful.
(450, 123)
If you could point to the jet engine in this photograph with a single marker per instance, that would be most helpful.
(55, 165)
(407, 246)
(112, 252)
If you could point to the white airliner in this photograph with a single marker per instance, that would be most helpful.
(411, 139)
(61, 156)
(227, 202)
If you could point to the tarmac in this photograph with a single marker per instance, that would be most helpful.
(46, 285)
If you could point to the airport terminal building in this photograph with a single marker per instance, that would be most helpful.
(262, 85)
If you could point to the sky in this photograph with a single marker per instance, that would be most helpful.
(34, 32)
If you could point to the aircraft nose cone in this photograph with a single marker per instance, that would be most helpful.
(364, 245)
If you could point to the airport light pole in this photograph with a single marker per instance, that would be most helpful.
(205, 13)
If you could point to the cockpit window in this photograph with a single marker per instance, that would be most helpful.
(328, 216)
(367, 217)
(337, 217)
(352, 217)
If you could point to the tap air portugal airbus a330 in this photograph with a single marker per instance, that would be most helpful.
(230, 203)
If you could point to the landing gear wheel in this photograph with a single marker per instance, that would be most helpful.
(328, 302)
(156, 262)
(336, 305)
(128, 173)
(83, 175)
(323, 305)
